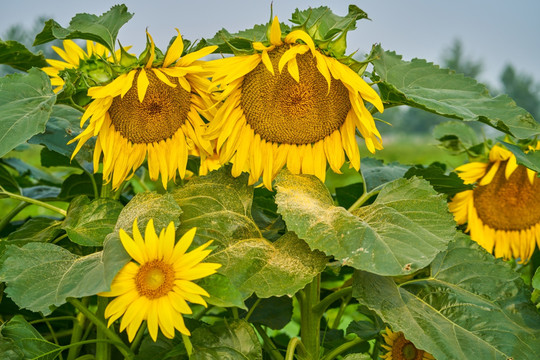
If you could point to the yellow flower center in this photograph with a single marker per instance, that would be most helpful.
(154, 279)
(162, 112)
(282, 110)
(403, 349)
(512, 204)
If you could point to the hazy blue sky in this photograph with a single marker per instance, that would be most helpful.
(494, 31)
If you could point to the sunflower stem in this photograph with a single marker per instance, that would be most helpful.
(321, 307)
(102, 327)
(291, 347)
(106, 190)
(362, 199)
(251, 309)
(33, 201)
(93, 181)
(103, 350)
(138, 338)
(187, 344)
(309, 319)
(17, 209)
(341, 311)
(342, 348)
(235, 313)
(268, 344)
(78, 327)
(375, 355)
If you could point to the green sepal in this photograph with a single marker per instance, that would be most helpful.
(126, 59)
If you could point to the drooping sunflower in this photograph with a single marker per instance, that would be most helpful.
(290, 104)
(399, 348)
(151, 111)
(157, 285)
(73, 54)
(502, 212)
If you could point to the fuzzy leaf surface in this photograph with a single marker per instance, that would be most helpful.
(26, 102)
(101, 29)
(220, 207)
(471, 306)
(17, 56)
(423, 85)
(401, 232)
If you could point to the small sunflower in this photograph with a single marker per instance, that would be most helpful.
(289, 103)
(157, 285)
(502, 212)
(72, 55)
(400, 348)
(152, 112)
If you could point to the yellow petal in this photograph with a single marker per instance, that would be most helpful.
(302, 35)
(129, 245)
(174, 51)
(275, 33)
(164, 79)
(152, 53)
(142, 85)
(266, 61)
(191, 57)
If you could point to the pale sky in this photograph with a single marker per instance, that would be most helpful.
(494, 31)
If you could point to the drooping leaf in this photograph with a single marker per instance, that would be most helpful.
(29, 340)
(233, 340)
(376, 173)
(101, 29)
(222, 292)
(17, 56)
(530, 160)
(26, 102)
(401, 232)
(7, 181)
(24, 169)
(220, 207)
(88, 222)
(264, 213)
(346, 196)
(273, 312)
(469, 307)
(39, 229)
(41, 192)
(79, 184)
(455, 135)
(42, 275)
(423, 85)
(62, 127)
(449, 184)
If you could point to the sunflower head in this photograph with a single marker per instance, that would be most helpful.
(157, 284)
(292, 103)
(502, 212)
(150, 110)
(399, 348)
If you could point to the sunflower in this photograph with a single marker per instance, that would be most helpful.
(73, 55)
(502, 212)
(289, 103)
(156, 286)
(152, 112)
(400, 348)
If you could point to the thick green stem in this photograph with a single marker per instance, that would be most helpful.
(342, 348)
(102, 327)
(138, 338)
(94, 184)
(33, 201)
(309, 320)
(103, 350)
(268, 344)
(362, 199)
(321, 307)
(292, 347)
(187, 345)
(17, 209)
(78, 327)
(106, 190)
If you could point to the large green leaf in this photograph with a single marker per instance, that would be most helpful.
(455, 135)
(470, 306)
(101, 29)
(222, 292)
(233, 340)
(26, 102)
(376, 173)
(220, 207)
(28, 340)
(449, 184)
(401, 232)
(423, 85)
(17, 56)
(42, 275)
(89, 222)
(530, 160)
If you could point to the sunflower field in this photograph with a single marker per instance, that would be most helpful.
(219, 199)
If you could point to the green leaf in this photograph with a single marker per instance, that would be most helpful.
(222, 292)
(220, 207)
(24, 169)
(530, 160)
(365, 329)
(101, 29)
(88, 222)
(239, 43)
(273, 312)
(29, 340)
(470, 306)
(7, 181)
(37, 229)
(62, 127)
(401, 232)
(233, 340)
(41, 192)
(42, 275)
(423, 85)
(79, 184)
(17, 56)
(536, 279)
(264, 213)
(376, 173)
(26, 102)
(454, 133)
(9, 350)
(347, 195)
(449, 184)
